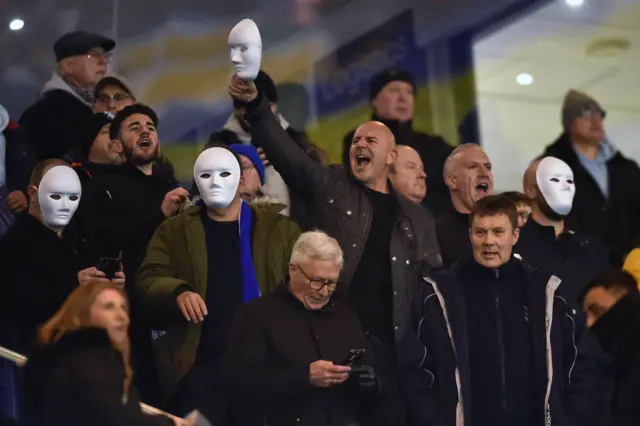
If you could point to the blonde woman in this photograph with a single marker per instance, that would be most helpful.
(81, 373)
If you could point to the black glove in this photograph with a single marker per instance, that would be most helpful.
(366, 381)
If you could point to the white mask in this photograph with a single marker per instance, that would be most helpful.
(555, 180)
(217, 175)
(59, 196)
(245, 45)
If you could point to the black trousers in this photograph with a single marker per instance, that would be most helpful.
(201, 390)
(390, 411)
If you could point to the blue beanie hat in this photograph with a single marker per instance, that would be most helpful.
(251, 153)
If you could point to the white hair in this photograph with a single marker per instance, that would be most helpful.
(316, 245)
(448, 164)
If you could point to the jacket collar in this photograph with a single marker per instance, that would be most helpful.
(285, 294)
(58, 83)
(395, 126)
(469, 268)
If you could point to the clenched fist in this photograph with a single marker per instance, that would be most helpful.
(241, 90)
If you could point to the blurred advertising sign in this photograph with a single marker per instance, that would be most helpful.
(341, 79)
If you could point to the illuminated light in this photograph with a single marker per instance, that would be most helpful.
(574, 3)
(524, 79)
(16, 24)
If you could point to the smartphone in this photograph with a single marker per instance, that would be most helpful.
(354, 356)
(109, 265)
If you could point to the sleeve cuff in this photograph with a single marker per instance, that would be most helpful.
(182, 288)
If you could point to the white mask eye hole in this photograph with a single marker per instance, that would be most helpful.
(73, 198)
(205, 175)
(556, 180)
(244, 48)
(570, 181)
(54, 197)
(225, 174)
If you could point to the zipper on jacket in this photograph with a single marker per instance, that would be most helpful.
(503, 374)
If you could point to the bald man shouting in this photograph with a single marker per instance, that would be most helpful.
(388, 241)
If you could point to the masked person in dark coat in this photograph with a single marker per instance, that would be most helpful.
(48, 259)
(289, 360)
(388, 240)
(497, 343)
(392, 95)
(545, 242)
(612, 304)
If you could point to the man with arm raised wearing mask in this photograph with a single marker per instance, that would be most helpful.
(200, 267)
(45, 259)
(388, 240)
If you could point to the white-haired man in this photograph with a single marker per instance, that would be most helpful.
(467, 173)
(292, 351)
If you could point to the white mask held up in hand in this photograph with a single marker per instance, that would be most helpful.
(555, 180)
(245, 45)
(217, 175)
(59, 196)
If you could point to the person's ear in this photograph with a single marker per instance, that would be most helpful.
(530, 191)
(516, 235)
(391, 158)
(32, 192)
(116, 146)
(292, 269)
(451, 182)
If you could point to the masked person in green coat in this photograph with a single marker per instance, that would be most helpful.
(200, 267)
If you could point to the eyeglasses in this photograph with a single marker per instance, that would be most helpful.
(316, 284)
(98, 54)
(118, 97)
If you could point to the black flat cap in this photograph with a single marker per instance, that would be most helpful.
(80, 43)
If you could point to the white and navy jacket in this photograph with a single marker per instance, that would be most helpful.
(435, 364)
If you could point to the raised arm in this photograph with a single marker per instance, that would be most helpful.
(301, 173)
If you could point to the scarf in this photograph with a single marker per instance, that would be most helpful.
(250, 286)
(58, 82)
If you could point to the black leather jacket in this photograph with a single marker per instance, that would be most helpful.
(338, 205)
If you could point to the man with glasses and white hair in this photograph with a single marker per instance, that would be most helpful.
(54, 124)
(296, 356)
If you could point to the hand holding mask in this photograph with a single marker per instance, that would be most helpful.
(245, 45)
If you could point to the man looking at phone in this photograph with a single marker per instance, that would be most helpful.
(266, 371)
(45, 258)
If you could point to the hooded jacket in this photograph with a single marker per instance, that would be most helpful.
(53, 124)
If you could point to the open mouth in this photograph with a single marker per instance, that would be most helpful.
(362, 160)
(145, 143)
(483, 188)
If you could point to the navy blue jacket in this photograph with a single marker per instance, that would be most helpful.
(435, 363)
